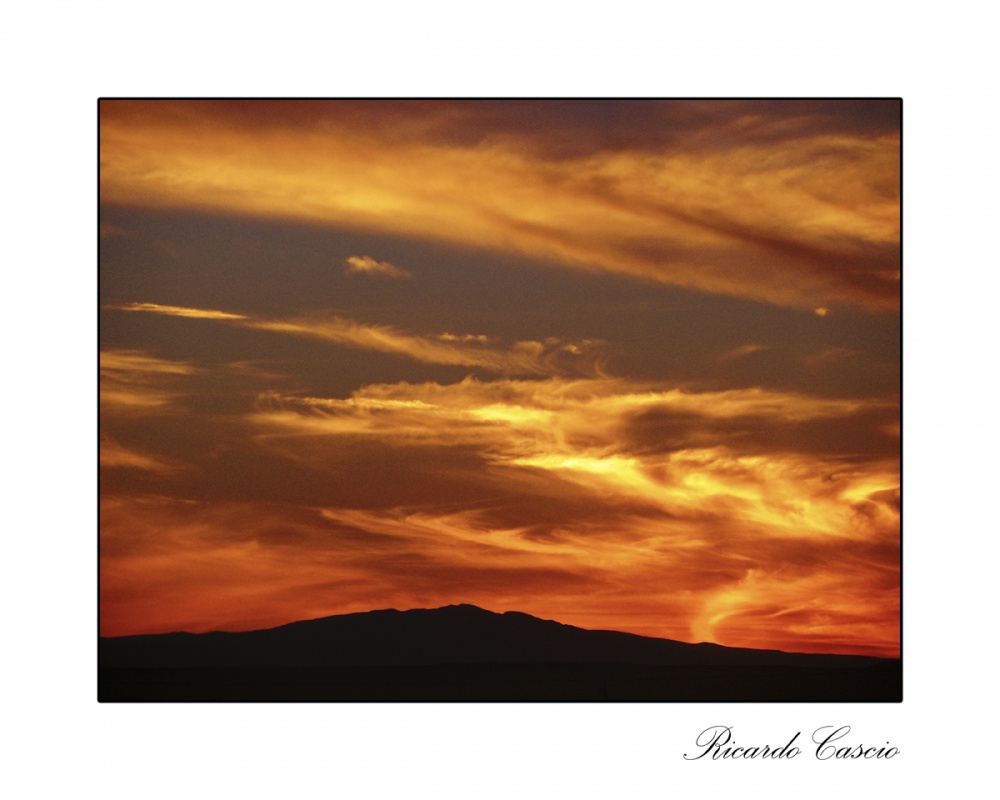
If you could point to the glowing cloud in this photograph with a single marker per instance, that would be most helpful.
(366, 265)
(177, 311)
(791, 215)
(707, 517)
(135, 382)
(548, 357)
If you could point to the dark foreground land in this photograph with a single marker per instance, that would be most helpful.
(510, 682)
(465, 653)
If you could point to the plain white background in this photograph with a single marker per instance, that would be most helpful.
(59, 742)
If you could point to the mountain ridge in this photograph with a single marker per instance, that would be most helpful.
(454, 634)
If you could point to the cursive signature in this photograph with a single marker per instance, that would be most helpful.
(717, 742)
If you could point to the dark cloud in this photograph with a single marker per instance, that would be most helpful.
(856, 438)
(552, 128)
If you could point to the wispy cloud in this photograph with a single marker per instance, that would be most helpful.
(696, 544)
(551, 356)
(601, 502)
(135, 381)
(742, 351)
(748, 202)
(136, 364)
(585, 432)
(527, 357)
(829, 355)
(366, 265)
(177, 311)
(742, 531)
(114, 454)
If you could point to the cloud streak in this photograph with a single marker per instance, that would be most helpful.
(115, 455)
(553, 355)
(583, 431)
(133, 381)
(178, 311)
(796, 214)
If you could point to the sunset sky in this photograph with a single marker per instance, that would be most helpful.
(629, 365)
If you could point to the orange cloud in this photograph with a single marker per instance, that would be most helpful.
(744, 539)
(794, 215)
(529, 357)
(178, 311)
(366, 265)
(573, 499)
(114, 454)
(774, 609)
(134, 381)
(182, 565)
(577, 430)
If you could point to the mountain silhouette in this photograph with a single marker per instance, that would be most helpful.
(456, 634)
